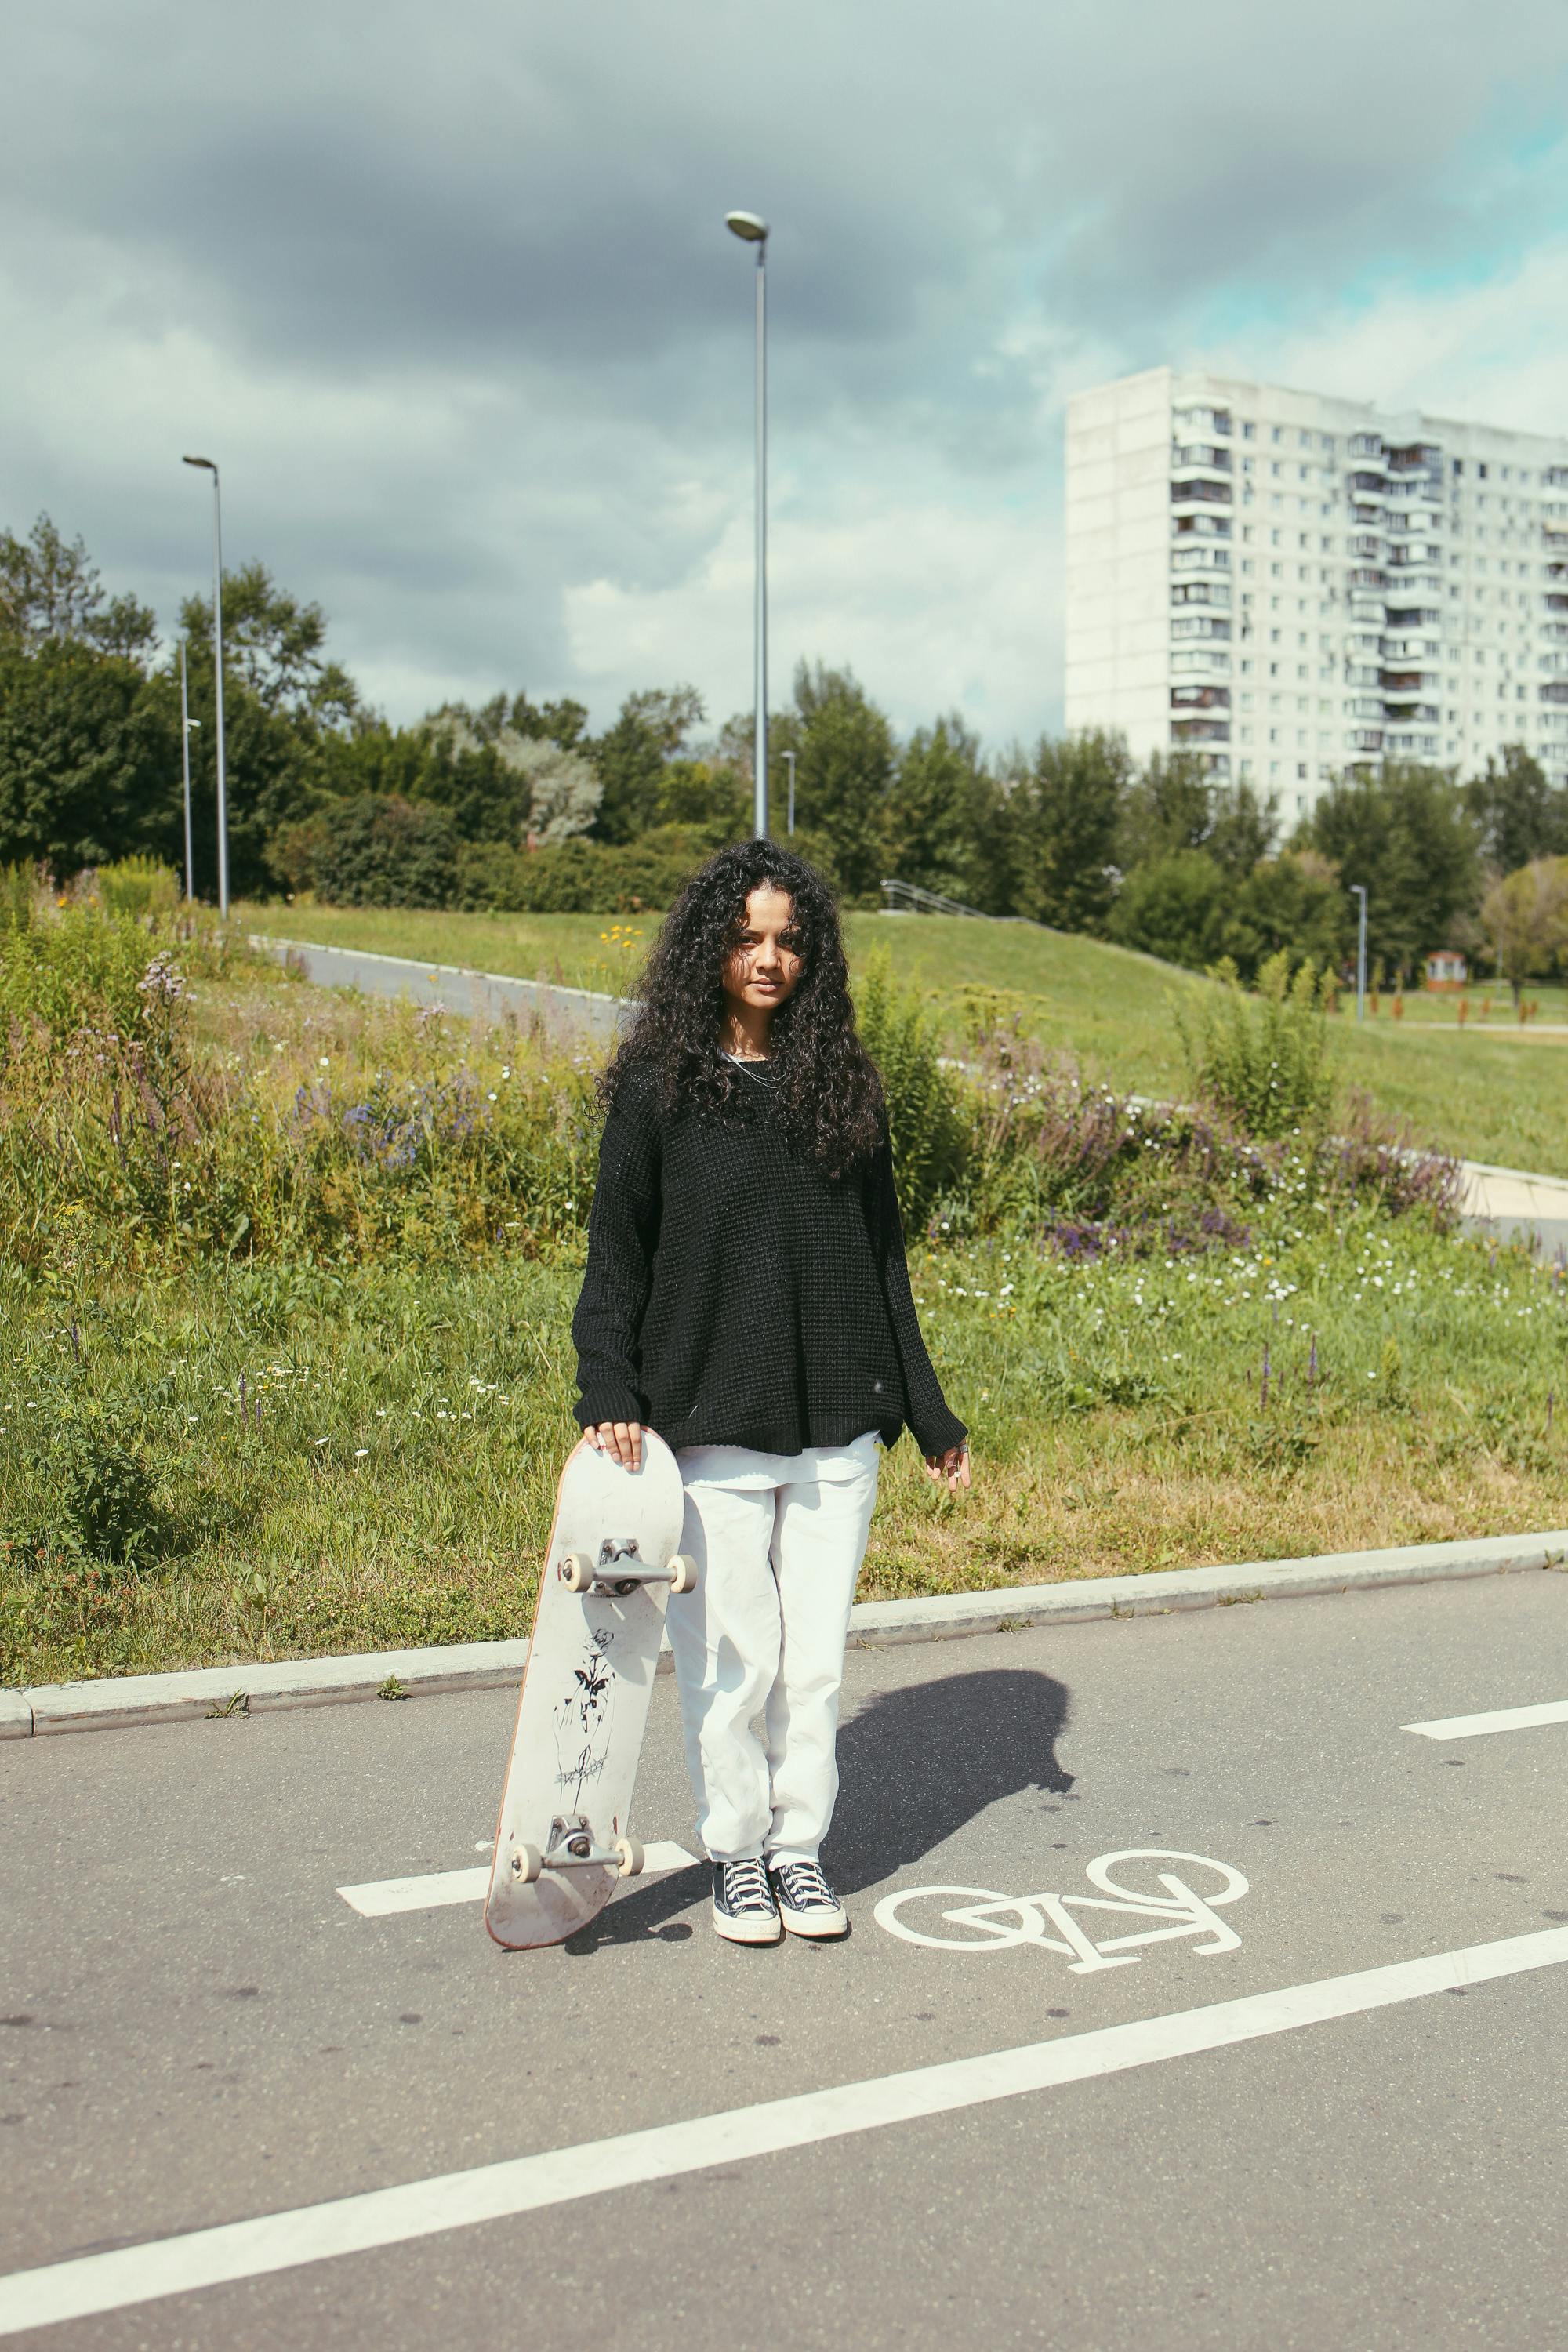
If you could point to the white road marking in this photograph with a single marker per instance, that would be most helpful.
(1000, 1922)
(1503, 1718)
(380, 1896)
(525, 2184)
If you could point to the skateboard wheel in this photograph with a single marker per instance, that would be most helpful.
(576, 1571)
(682, 1573)
(526, 1864)
(630, 1850)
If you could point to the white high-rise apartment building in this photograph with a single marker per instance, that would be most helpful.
(1296, 587)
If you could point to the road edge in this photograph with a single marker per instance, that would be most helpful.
(118, 1702)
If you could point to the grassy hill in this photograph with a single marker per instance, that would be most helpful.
(1498, 1095)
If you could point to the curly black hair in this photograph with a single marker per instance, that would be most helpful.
(828, 1095)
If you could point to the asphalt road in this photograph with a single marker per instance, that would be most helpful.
(568, 1012)
(198, 2028)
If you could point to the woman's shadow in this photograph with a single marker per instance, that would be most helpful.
(915, 1764)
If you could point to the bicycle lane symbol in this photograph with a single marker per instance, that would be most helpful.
(1000, 1923)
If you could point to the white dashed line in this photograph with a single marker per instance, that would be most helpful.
(422, 2208)
(378, 1898)
(1504, 1718)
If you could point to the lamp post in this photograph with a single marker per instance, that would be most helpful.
(209, 466)
(186, 723)
(752, 229)
(788, 757)
(1359, 890)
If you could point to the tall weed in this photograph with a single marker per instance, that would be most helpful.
(1263, 1060)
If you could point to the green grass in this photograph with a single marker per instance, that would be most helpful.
(1501, 1098)
(384, 1475)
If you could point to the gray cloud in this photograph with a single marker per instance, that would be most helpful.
(450, 291)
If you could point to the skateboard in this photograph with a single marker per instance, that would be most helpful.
(562, 1840)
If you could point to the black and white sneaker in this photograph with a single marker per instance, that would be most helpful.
(807, 1904)
(743, 1907)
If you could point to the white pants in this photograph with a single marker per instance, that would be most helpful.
(778, 1541)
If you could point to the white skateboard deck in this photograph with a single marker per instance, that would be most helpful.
(583, 1704)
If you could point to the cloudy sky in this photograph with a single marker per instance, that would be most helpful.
(447, 289)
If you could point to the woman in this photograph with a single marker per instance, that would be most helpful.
(747, 1296)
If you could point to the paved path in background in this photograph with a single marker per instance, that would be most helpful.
(1232, 1892)
(1510, 1202)
(482, 995)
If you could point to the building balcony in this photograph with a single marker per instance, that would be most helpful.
(1557, 691)
(1202, 424)
(1200, 456)
(1200, 730)
(1364, 484)
(1201, 525)
(1406, 714)
(1201, 591)
(1365, 577)
(1367, 738)
(1200, 697)
(1556, 603)
(1199, 491)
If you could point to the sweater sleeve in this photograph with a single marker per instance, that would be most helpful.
(623, 1233)
(933, 1427)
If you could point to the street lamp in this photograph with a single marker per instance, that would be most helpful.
(788, 757)
(186, 723)
(752, 229)
(209, 466)
(1359, 889)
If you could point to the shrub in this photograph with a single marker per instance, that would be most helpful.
(385, 852)
(584, 877)
(100, 1489)
(134, 887)
(1263, 1060)
(77, 969)
(928, 1114)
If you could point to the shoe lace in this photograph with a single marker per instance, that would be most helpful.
(746, 1887)
(804, 1883)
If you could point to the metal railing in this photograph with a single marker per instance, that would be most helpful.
(909, 898)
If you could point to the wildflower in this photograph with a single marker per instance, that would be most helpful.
(360, 1452)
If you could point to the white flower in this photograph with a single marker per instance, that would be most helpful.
(325, 1062)
(360, 1452)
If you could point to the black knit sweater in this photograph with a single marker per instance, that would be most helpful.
(736, 1296)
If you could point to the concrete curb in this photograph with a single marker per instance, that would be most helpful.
(118, 1702)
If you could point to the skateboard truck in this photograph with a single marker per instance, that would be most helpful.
(620, 1569)
(573, 1846)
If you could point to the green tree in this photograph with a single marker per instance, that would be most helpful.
(1173, 906)
(1244, 830)
(89, 757)
(845, 774)
(1407, 834)
(1169, 805)
(1517, 816)
(1065, 820)
(931, 809)
(51, 594)
(1292, 903)
(653, 728)
(274, 649)
(1526, 916)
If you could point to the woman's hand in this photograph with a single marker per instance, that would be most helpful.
(621, 1439)
(950, 1469)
